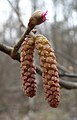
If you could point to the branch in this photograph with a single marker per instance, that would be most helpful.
(73, 75)
(18, 45)
(28, 30)
(6, 49)
(17, 13)
(66, 56)
(63, 83)
(68, 85)
(62, 68)
(37, 18)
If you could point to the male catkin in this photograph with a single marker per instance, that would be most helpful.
(49, 70)
(28, 70)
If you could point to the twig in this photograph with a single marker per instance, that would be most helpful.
(38, 70)
(18, 45)
(62, 68)
(37, 18)
(28, 30)
(16, 11)
(6, 49)
(73, 75)
(66, 56)
(68, 85)
(64, 84)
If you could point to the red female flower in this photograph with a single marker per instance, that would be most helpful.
(43, 16)
(37, 18)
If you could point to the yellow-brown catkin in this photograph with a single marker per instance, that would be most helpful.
(49, 70)
(28, 70)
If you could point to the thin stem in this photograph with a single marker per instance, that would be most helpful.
(72, 75)
(68, 85)
(18, 45)
(17, 13)
(63, 83)
(6, 49)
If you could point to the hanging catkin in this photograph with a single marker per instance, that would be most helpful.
(28, 70)
(49, 70)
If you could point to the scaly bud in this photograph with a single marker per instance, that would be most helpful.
(49, 70)
(37, 18)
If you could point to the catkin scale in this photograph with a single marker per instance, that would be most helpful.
(28, 70)
(49, 70)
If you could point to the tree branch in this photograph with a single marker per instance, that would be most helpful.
(68, 85)
(8, 50)
(62, 68)
(63, 83)
(18, 45)
(28, 30)
(17, 13)
(72, 75)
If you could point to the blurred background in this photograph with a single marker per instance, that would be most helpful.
(61, 30)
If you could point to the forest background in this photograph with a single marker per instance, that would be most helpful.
(61, 30)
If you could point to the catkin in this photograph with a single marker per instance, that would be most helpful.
(49, 70)
(28, 70)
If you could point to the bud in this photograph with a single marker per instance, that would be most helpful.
(49, 70)
(37, 18)
(28, 70)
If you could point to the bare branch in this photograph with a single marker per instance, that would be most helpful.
(6, 49)
(31, 25)
(38, 70)
(68, 85)
(28, 30)
(63, 83)
(66, 56)
(18, 45)
(62, 68)
(72, 75)
(17, 13)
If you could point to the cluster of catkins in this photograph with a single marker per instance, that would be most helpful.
(49, 69)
